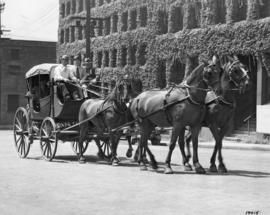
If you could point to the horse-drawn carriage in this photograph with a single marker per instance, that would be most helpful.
(48, 117)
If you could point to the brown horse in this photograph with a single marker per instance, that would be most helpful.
(177, 107)
(104, 115)
(220, 108)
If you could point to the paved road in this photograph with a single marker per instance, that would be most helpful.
(33, 186)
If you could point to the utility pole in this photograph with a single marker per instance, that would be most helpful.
(88, 28)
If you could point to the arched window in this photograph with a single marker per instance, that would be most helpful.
(162, 22)
(63, 10)
(73, 8)
(68, 8)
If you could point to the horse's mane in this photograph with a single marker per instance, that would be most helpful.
(197, 72)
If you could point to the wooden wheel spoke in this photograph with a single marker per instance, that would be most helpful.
(108, 150)
(20, 144)
(17, 127)
(19, 139)
(45, 149)
(19, 123)
(45, 132)
(49, 153)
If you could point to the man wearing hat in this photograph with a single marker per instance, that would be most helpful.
(80, 72)
(65, 72)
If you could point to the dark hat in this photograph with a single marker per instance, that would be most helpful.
(64, 57)
(77, 57)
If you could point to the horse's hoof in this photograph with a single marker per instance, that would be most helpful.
(143, 168)
(222, 169)
(199, 169)
(100, 155)
(168, 171)
(129, 154)
(213, 168)
(115, 163)
(188, 167)
(82, 160)
(188, 158)
(154, 166)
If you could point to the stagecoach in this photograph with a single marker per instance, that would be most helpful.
(49, 116)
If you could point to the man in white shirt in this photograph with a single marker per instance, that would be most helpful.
(65, 73)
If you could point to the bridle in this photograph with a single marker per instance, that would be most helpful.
(232, 79)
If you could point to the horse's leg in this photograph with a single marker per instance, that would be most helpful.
(152, 158)
(130, 149)
(100, 153)
(188, 140)
(181, 143)
(174, 136)
(83, 136)
(194, 135)
(114, 144)
(146, 129)
(215, 132)
(221, 167)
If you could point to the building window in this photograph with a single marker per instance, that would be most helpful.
(143, 16)
(132, 55)
(124, 19)
(63, 10)
(221, 11)
(114, 23)
(80, 8)
(68, 8)
(93, 3)
(176, 19)
(15, 54)
(193, 21)
(62, 37)
(67, 35)
(124, 56)
(73, 8)
(13, 102)
(101, 2)
(161, 74)
(240, 10)
(133, 20)
(100, 27)
(80, 32)
(72, 35)
(177, 72)
(113, 57)
(99, 62)
(142, 51)
(162, 22)
(106, 59)
(107, 27)
(14, 69)
(264, 8)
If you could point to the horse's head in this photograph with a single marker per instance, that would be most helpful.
(133, 86)
(237, 74)
(211, 73)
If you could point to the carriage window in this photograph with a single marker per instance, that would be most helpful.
(44, 86)
(13, 102)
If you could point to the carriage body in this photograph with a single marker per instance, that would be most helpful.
(46, 116)
(44, 98)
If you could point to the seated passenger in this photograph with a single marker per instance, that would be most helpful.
(65, 73)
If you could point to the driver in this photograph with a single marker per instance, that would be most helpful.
(65, 73)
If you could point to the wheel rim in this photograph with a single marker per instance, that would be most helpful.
(75, 147)
(21, 132)
(48, 140)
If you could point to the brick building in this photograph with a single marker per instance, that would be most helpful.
(163, 40)
(16, 58)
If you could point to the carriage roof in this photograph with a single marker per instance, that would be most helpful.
(41, 69)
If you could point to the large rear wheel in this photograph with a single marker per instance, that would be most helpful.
(48, 139)
(21, 132)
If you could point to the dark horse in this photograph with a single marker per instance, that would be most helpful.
(176, 107)
(100, 116)
(220, 107)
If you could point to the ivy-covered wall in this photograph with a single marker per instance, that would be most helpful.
(177, 32)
